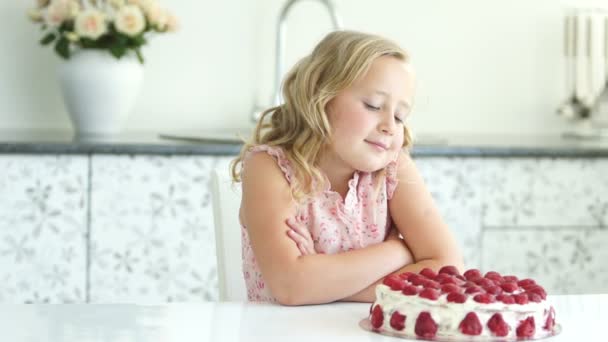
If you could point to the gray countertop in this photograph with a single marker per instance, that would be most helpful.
(218, 143)
(56, 142)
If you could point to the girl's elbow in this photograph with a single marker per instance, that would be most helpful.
(295, 285)
(459, 263)
(448, 260)
(288, 296)
(287, 291)
(287, 299)
(456, 261)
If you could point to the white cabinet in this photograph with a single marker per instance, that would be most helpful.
(546, 192)
(563, 260)
(43, 226)
(545, 218)
(139, 228)
(456, 186)
(152, 235)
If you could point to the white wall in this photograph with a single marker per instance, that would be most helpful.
(201, 76)
(483, 65)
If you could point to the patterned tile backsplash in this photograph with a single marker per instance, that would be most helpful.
(546, 192)
(152, 236)
(564, 261)
(43, 201)
(119, 228)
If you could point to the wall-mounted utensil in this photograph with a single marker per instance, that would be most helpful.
(581, 64)
(572, 108)
(600, 110)
(589, 105)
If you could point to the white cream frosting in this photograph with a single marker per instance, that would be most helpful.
(448, 315)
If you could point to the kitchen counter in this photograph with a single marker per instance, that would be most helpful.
(228, 143)
(582, 318)
(48, 142)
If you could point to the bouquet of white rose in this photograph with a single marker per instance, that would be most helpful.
(118, 26)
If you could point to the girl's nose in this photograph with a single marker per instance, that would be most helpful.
(387, 125)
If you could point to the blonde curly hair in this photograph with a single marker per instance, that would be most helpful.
(300, 125)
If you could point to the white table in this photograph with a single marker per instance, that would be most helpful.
(581, 316)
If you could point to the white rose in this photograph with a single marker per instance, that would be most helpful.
(117, 4)
(172, 22)
(157, 17)
(130, 20)
(90, 23)
(71, 36)
(73, 9)
(42, 3)
(148, 6)
(143, 4)
(35, 15)
(57, 12)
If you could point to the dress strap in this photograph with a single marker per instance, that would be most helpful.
(278, 154)
(391, 179)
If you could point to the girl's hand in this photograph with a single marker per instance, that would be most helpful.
(301, 236)
(393, 234)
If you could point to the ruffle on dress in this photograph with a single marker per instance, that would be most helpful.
(278, 154)
(391, 179)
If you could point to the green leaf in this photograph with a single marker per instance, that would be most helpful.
(106, 42)
(62, 47)
(48, 38)
(87, 42)
(118, 50)
(140, 57)
(69, 25)
(62, 28)
(122, 39)
(139, 40)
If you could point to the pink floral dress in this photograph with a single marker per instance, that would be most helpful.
(335, 225)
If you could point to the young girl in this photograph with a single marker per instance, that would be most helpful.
(327, 178)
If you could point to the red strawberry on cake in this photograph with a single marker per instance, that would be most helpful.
(447, 304)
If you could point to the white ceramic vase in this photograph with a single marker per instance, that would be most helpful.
(99, 90)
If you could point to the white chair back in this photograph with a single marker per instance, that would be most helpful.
(226, 199)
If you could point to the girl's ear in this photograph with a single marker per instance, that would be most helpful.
(329, 107)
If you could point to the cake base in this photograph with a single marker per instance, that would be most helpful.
(366, 324)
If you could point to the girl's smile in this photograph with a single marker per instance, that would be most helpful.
(378, 145)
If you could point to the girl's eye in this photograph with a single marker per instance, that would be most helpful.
(398, 119)
(368, 106)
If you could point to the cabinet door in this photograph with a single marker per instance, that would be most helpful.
(546, 192)
(43, 226)
(564, 261)
(152, 235)
(455, 184)
(547, 218)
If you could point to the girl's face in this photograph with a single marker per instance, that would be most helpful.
(367, 118)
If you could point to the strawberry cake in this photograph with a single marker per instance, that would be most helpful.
(472, 306)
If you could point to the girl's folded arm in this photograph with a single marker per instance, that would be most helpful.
(294, 279)
(414, 213)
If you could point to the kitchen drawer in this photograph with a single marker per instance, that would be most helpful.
(152, 235)
(565, 261)
(551, 193)
(455, 184)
